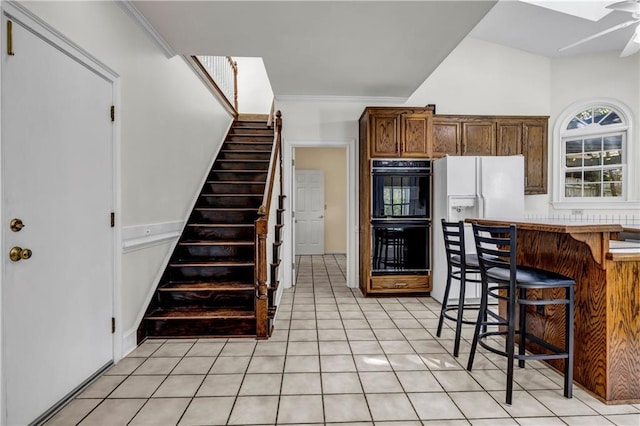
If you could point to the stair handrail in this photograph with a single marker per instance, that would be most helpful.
(262, 230)
(221, 74)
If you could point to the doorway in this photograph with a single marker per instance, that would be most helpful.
(310, 209)
(58, 195)
(340, 219)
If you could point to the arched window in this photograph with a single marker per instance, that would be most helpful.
(593, 154)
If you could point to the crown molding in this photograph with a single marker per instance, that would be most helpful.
(138, 17)
(371, 100)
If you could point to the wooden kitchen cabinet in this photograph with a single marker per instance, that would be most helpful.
(526, 136)
(496, 135)
(398, 132)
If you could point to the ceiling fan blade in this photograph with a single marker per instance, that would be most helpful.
(632, 46)
(626, 6)
(601, 33)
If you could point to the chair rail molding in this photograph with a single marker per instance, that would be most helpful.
(137, 237)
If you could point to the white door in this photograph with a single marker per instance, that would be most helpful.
(57, 178)
(309, 212)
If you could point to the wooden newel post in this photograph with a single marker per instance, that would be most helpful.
(261, 292)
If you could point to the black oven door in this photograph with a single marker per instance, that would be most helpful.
(400, 248)
(400, 195)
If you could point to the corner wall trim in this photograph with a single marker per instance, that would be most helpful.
(137, 237)
(138, 17)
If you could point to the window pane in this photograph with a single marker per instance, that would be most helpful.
(573, 184)
(593, 176)
(612, 118)
(612, 142)
(612, 189)
(586, 116)
(600, 113)
(575, 124)
(612, 157)
(592, 190)
(593, 144)
(609, 175)
(574, 147)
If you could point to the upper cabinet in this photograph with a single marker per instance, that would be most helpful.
(397, 132)
(496, 135)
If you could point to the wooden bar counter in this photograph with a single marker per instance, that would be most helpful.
(607, 302)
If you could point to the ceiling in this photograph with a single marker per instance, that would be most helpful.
(544, 31)
(365, 48)
(323, 48)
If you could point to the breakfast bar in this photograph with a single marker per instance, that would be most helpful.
(607, 301)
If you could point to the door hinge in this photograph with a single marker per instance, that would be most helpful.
(112, 219)
(113, 113)
(293, 162)
(113, 325)
(10, 38)
(293, 265)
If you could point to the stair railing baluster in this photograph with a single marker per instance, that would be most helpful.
(262, 230)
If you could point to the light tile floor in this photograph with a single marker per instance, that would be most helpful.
(334, 358)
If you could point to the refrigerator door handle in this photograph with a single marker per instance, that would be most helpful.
(481, 206)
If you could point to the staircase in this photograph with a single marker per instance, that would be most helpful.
(209, 288)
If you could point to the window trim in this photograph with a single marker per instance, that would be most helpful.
(559, 135)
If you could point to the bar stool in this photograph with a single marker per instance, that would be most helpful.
(502, 279)
(461, 267)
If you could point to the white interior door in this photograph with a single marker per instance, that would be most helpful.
(57, 177)
(309, 211)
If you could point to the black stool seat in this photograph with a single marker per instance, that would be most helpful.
(465, 269)
(531, 277)
(504, 280)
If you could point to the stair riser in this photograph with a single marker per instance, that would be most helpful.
(234, 188)
(230, 252)
(237, 273)
(243, 176)
(202, 327)
(247, 146)
(253, 155)
(241, 165)
(250, 138)
(252, 131)
(207, 299)
(229, 202)
(233, 217)
(220, 233)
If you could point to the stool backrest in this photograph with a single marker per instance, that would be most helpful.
(496, 248)
(453, 233)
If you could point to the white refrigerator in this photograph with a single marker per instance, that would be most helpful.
(472, 187)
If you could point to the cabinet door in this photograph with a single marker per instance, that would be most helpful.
(385, 135)
(446, 138)
(415, 135)
(479, 138)
(509, 140)
(534, 148)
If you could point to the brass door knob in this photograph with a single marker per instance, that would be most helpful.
(18, 253)
(16, 225)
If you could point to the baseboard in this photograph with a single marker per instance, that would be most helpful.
(335, 252)
(129, 341)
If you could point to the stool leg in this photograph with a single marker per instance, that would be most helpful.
(568, 363)
(445, 300)
(456, 345)
(511, 325)
(523, 327)
(481, 322)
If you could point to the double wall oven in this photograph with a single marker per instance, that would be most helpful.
(400, 217)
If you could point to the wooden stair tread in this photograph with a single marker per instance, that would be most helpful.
(205, 286)
(243, 160)
(217, 243)
(242, 209)
(199, 313)
(224, 194)
(217, 263)
(222, 225)
(239, 171)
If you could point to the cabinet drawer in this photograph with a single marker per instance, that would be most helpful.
(400, 284)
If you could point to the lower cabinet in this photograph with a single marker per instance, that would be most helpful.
(399, 284)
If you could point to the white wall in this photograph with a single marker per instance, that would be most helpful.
(171, 128)
(486, 78)
(254, 88)
(603, 75)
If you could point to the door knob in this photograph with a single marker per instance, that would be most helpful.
(18, 253)
(16, 225)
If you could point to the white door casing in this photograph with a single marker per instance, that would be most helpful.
(58, 177)
(309, 211)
